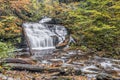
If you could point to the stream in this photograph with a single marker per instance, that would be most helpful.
(89, 65)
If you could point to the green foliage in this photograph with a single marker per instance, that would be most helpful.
(95, 24)
(4, 49)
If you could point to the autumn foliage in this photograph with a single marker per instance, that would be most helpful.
(10, 22)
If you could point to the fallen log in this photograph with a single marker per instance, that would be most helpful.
(38, 68)
(26, 67)
(22, 61)
(33, 68)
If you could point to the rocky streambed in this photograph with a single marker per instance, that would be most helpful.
(67, 63)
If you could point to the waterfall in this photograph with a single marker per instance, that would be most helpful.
(44, 36)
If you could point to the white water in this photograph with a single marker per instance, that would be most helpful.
(60, 32)
(42, 36)
(39, 36)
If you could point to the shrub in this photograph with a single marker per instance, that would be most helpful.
(4, 49)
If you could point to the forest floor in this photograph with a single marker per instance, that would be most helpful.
(25, 75)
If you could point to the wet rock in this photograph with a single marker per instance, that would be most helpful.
(68, 65)
(104, 76)
(60, 78)
(94, 69)
(57, 61)
(10, 78)
(3, 77)
(88, 62)
(79, 57)
(106, 65)
(59, 53)
(113, 72)
(115, 65)
(79, 51)
(90, 70)
(48, 20)
(54, 77)
(116, 61)
(98, 59)
(78, 63)
(62, 45)
(55, 74)
(72, 52)
(45, 62)
(66, 71)
(78, 72)
(22, 55)
(67, 55)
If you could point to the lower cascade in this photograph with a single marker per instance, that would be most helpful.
(44, 36)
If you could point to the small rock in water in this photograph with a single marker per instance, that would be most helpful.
(10, 78)
(78, 72)
(67, 71)
(113, 72)
(78, 63)
(45, 62)
(90, 69)
(56, 60)
(79, 52)
(3, 77)
(106, 65)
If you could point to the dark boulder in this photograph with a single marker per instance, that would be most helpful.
(47, 20)
(104, 76)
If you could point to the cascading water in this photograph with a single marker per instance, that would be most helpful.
(44, 36)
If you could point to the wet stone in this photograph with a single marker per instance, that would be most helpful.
(66, 71)
(68, 65)
(10, 78)
(56, 60)
(116, 66)
(78, 72)
(90, 70)
(78, 63)
(104, 76)
(113, 72)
